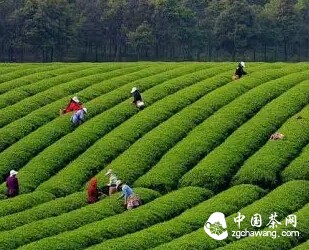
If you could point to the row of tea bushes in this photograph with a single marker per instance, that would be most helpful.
(226, 202)
(158, 210)
(165, 175)
(23, 202)
(284, 200)
(32, 103)
(24, 76)
(281, 242)
(214, 171)
(263, 168)
(26, 148)
(9, 69)
(47, 209)
(119, 139)
(57, 76)
(298, 169)
(159, 140)
(304, 246)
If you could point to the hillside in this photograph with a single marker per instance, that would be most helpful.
(200, 146)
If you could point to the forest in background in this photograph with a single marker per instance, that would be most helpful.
(154, 30)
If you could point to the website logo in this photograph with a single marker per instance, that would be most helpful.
(215, 226)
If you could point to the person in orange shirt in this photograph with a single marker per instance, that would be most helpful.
(92, 191)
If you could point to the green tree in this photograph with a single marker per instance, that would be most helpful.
(202, 31)
(91, 30)
(174, 27)
(142, 39)
(235, 27)
(47, 26)
(11, 36)
(302, 9)
(281, 18)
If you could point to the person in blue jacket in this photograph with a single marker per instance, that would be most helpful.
(131, 200)
(78, 117)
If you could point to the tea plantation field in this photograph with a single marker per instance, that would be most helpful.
(200, 146)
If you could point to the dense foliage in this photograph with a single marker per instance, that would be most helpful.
(200, 146)
(101, 30)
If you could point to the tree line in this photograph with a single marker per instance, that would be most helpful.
(129, 30)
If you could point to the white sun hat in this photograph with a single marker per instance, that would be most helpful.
(133, 90)
(85, 110)
(75, 99)
(13, 172)
(109, 171)
(243, 64)
(118, 183)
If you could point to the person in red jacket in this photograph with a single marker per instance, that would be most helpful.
(93, 193)
(73, 105)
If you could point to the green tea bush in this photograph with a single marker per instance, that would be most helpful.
(10, 73)
(22, 127)
(282, 243)
(48, 209)
(57, 76)
(226, 202)
(115, 142)
(304, 246)
(284, 200)
(298, 169)
(158, 210)
(26, 76)
(155, 143)
(165, 175)
(27, 105)
(20, 153)
(23, 202)
(220, 165)
(263, 168)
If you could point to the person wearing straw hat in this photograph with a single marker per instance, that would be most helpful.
(112, 182)
(12, 184)
(73, 105)
(131, 200)
(79, 117)
(137, 98)
(239, 71)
